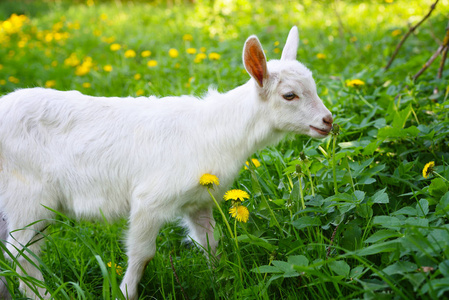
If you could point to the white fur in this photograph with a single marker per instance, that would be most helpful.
(142, 158)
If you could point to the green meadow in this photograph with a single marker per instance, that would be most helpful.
(362, 214)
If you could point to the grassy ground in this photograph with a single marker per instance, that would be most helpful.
(348, 217)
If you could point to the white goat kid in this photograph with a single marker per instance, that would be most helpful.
(142, 158)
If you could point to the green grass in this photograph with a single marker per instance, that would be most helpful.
(372, 225)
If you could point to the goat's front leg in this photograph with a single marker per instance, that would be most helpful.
(144, 226)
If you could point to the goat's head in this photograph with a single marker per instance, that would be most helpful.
(288, 88)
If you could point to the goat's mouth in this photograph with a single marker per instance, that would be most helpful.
(321, 131)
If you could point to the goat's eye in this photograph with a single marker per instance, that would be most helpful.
(289, 96)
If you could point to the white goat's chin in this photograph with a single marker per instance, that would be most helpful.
(318, 132)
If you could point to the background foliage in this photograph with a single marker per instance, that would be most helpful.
(371, 225)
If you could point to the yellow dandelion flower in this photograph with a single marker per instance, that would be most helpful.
(13, 79)
(75, 25)
(214, 56)
(82, 70)
(118, 269)
(140, 92)
(104, 16)
(236, 194)
(255, 162)
(107, 68)
(109, 40)
(115, 47)
(187, 37)
(188, 84)
(321, 56)
(50, 83)
(72, 60)
(354, 83)
(191, 50)
(152, 63)
(203, 49)
(2, 81)
(145, 53)
(137, 76)
(209, 180)
(199, 57)
(428, 169)
(240, 213)
(173, 53)
(130, 53)
(276, 43)
(277, 50)
(22, 43)
(86, 85)
(396, 32)
(388, 1)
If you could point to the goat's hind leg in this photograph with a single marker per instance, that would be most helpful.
(4, 292)
(27, 218)
(201, 225)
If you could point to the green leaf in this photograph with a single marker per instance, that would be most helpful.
(359, 196)
(408, 210)
(400, 267)
(382, 235)
(388, 246)
(379, 197)
(437, 188)
(444, 268)
(358, 168)
(443, 206)
(415, 221)
(266, 269)
(352, 236)
(401, 117)
(282, 265)
(357, 272)
(298, 260)
(440, 285)
(340, 267)
(371, 147)
(422, 207)
(251, 239)
(306, 221)
(397, 133)
(353, 144)
(365, 180)
(364, 210)
(387, 222)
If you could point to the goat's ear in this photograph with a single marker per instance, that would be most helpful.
(291, 46)
(254, 60)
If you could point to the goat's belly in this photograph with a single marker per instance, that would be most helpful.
(95, 207)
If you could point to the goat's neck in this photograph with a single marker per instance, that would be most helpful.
(242, 124)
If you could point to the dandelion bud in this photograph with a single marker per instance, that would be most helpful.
(335, 129)
(298, 169)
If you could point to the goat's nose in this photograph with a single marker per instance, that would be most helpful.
(328, 120)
